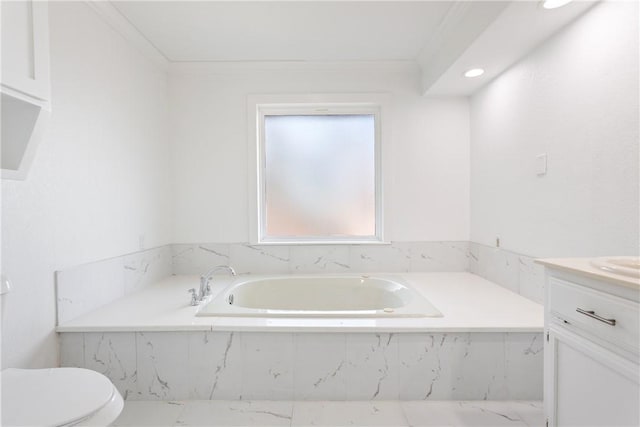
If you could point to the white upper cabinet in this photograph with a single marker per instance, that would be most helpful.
(25, 83)
(25, 50)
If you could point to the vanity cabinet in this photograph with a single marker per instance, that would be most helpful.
(25, 84)
(590, 386)
(591, 350)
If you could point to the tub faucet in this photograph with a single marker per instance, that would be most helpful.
(205, 288)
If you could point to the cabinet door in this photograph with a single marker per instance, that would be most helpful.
(25, 48)
(591, 386)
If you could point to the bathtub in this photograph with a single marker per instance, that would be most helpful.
(319, 296)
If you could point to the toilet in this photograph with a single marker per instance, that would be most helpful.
(58, 397)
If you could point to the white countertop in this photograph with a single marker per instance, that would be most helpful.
(584, 267)
(468, 303)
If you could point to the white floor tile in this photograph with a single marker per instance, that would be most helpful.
(143, 413)
(236, 413)
(348, 413)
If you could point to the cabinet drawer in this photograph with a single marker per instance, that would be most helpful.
(599, 312)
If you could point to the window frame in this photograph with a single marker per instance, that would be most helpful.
(320, 106)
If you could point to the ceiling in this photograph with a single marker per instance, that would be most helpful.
(286, 31)
(443, 37)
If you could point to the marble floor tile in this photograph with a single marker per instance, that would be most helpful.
(429, 413)
(236, 413)
(445, 413)
(530, 411)
(348, 413)
(486, 413)
(149, 413)
(461, 414)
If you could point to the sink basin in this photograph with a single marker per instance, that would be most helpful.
(627, 266)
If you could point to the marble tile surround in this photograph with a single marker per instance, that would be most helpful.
(312, 366)
(84, 288)
(87, 287)
(393, 258)
(518, 273)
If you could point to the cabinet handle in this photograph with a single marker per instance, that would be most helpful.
(593, 315)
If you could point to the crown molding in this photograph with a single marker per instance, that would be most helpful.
(112, 16)
(235, 67)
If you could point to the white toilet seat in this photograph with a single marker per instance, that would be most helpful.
(58, 397)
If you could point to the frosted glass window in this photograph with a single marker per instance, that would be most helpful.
(319, 176)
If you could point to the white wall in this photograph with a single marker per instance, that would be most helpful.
(575, 98)
(430, 147)
(100, 178)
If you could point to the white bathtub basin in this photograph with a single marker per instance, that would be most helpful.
(319, 296)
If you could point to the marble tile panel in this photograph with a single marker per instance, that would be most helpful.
(262, 259)
(82, 289)
(277, 366)
(372, 366)
(215, 365)
(267, 366)
(439, 256)
(320, 367)
(114, 355)
(518, 273)
(190, 259)
(474, 258)
(149, 414)
(477, 367)
(367, 413)
(531, 279)
(423, 373)
(162, 361)
(392, 258)
(248, 259)
(499, 266)
(144, 268)
(236, 413)
(319, 259)
(72, 350)
(524, 365)
(452, 366)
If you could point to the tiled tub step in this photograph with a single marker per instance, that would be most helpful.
(193, 365)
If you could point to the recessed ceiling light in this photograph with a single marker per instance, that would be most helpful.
(554, 4)
(474, 72)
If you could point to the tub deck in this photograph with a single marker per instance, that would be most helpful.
(468, 303)
(488, 346)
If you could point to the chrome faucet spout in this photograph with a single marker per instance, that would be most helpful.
(205, 279)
